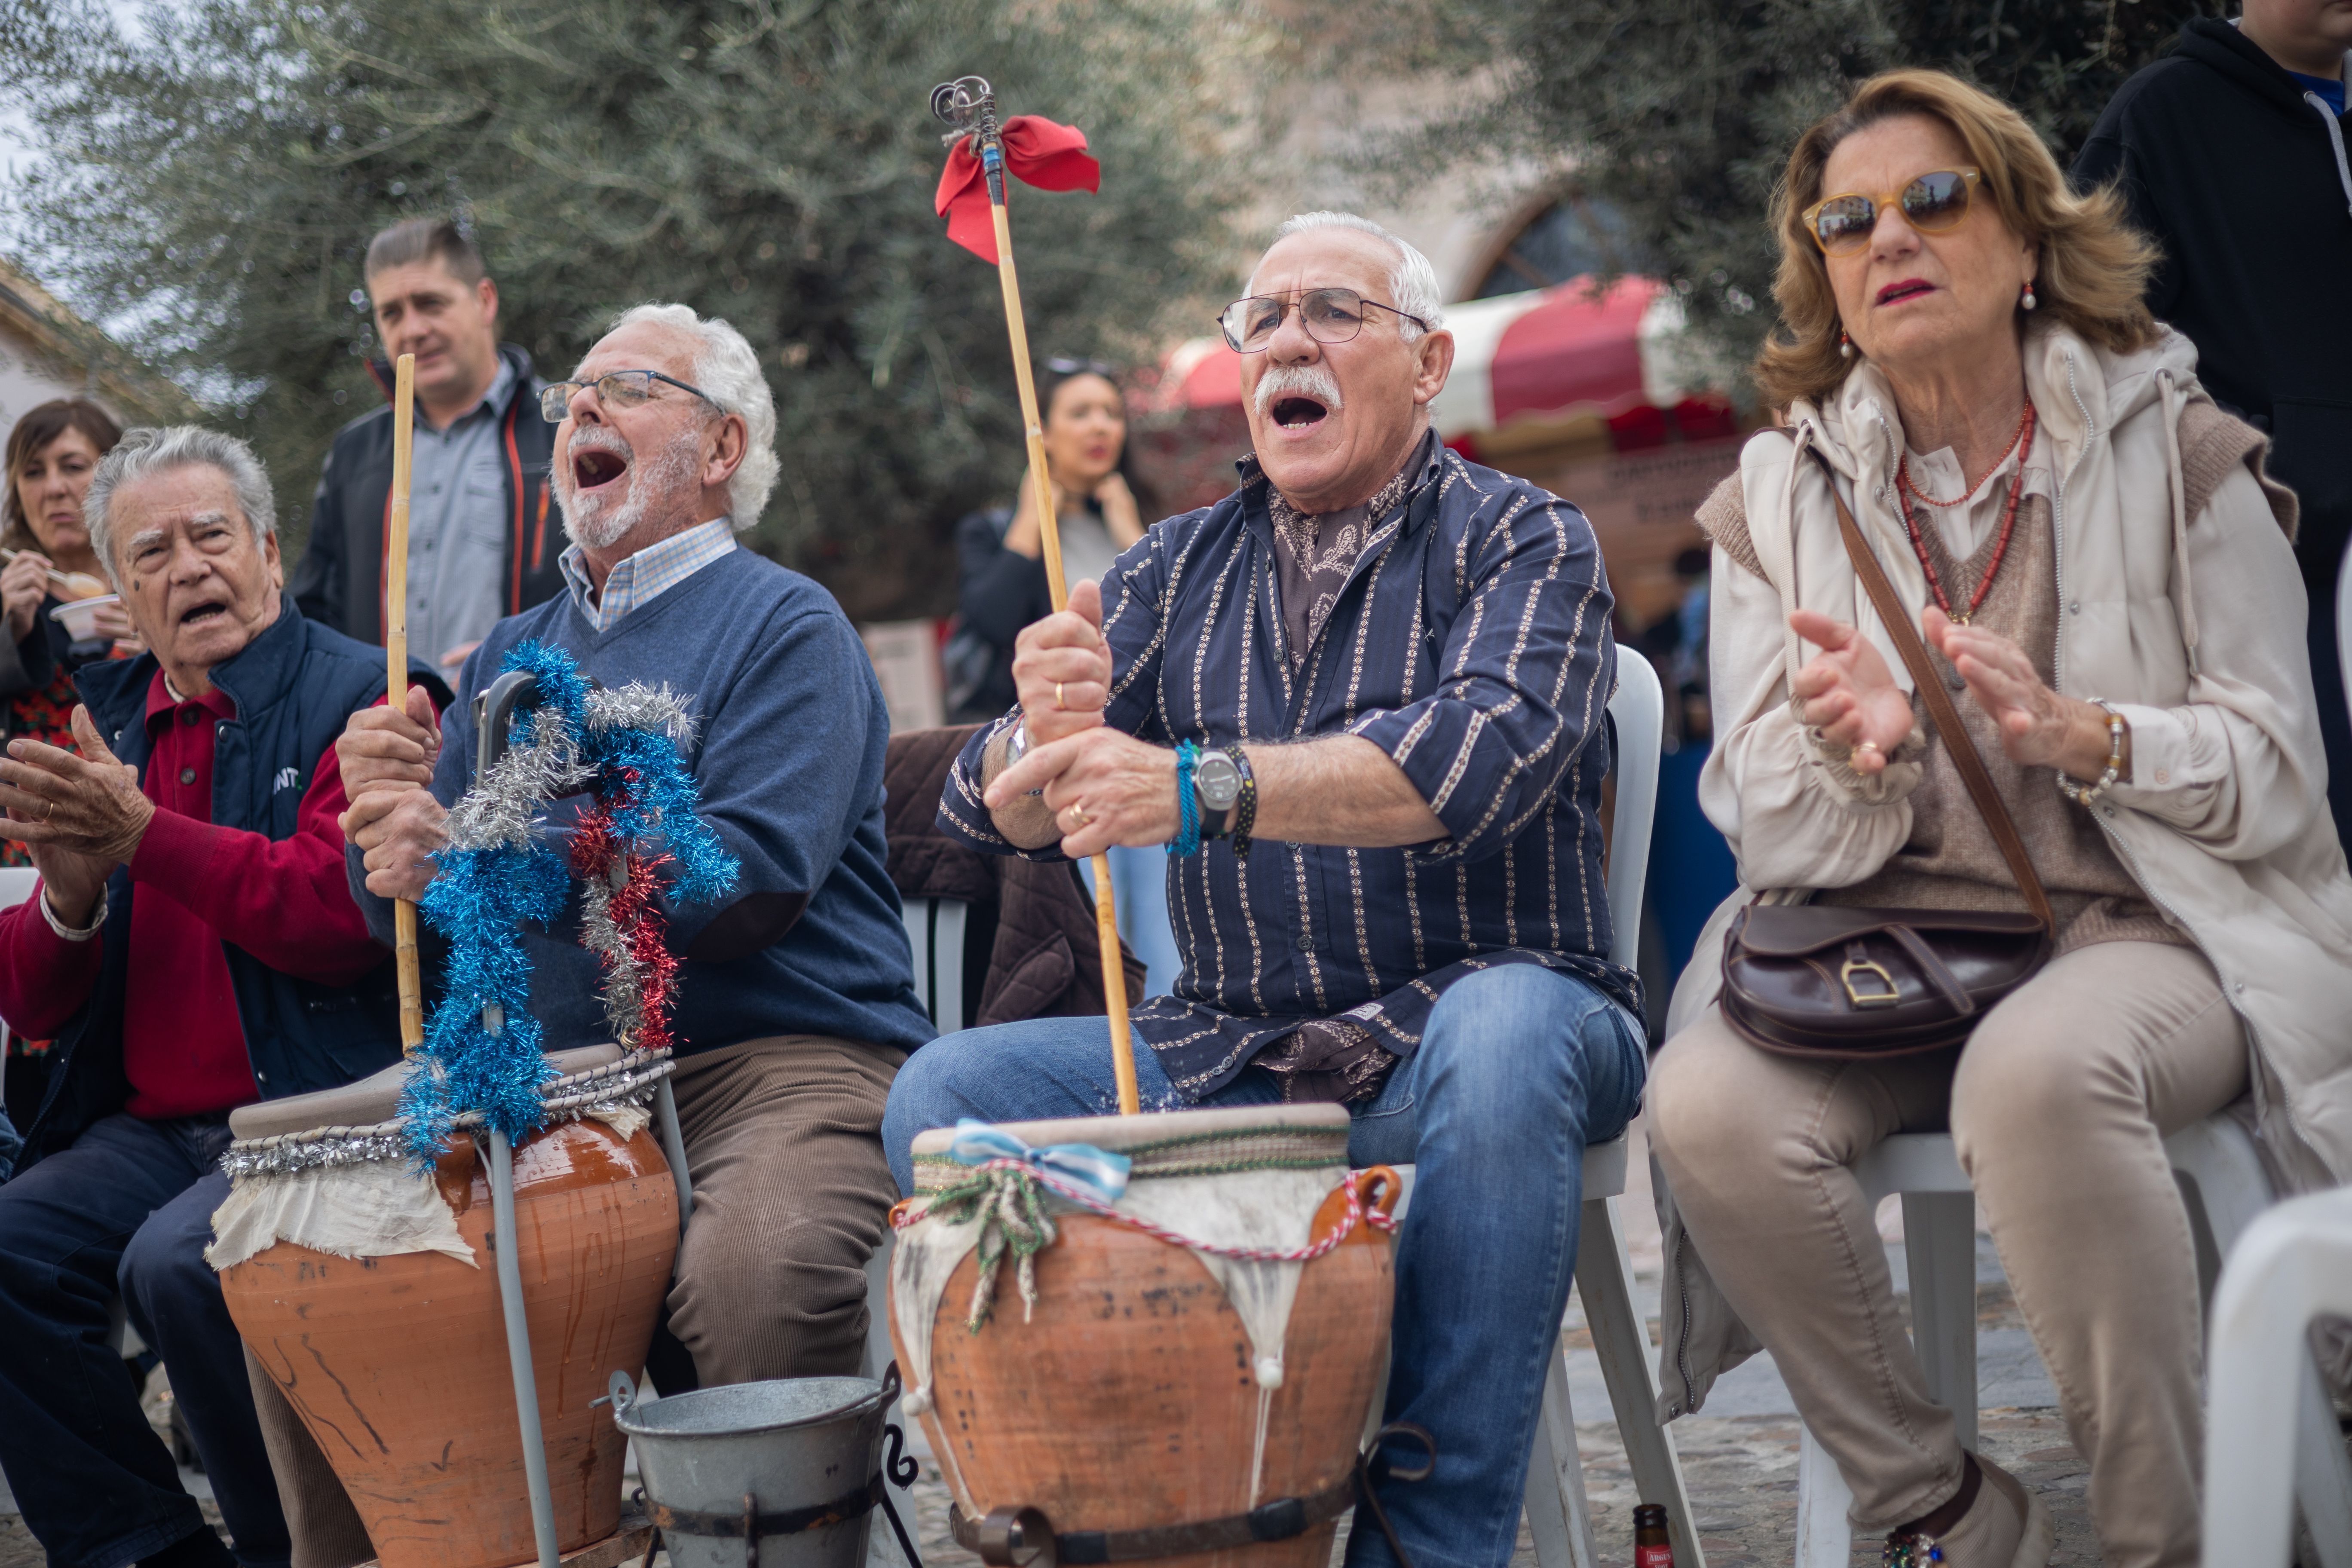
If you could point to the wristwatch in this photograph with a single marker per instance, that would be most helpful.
(1217, 786)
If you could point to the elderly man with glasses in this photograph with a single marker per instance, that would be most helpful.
(795, 999)
(1362, 699)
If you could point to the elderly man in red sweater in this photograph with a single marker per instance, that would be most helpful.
(193, 947)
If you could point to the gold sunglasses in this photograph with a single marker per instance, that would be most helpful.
(1934, 203)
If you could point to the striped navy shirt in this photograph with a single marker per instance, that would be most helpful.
(1472, 644)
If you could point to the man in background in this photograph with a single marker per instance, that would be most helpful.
(478, 534)
(2231, 152)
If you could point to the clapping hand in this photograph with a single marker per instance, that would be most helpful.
(2039, 727)
(1849, 695)
(78, 817)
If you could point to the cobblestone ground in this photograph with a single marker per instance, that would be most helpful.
(1742, 1475)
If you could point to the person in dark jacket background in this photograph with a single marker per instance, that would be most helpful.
(193, 947)
(1002, 554)
(2231, 152)
(1001, 550)
(481, 544)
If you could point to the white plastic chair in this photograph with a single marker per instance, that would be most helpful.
(1560, 1517)
(935, 930)
(2270, 1431)
(2221, 1181)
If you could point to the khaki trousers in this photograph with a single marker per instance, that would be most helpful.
(2059, 1105)
(783, 1140)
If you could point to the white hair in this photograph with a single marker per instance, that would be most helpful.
(1413, 282)
(726, 368)
(145, 452)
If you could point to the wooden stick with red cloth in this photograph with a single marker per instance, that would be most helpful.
(1051, 157)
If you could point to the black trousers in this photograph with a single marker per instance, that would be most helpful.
(127, 1210)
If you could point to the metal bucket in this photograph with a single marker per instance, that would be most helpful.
(783, 1473)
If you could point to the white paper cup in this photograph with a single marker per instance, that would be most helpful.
(80, 617)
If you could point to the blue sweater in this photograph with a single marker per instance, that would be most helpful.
(788, 752)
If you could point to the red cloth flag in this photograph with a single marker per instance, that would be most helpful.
(1036, 151)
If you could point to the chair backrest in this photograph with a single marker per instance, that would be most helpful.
(2344, 630)
(17, 884)
(1639, 707)
(935, 930)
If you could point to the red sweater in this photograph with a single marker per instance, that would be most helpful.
(285, 902)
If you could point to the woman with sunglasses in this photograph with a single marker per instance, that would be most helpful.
(2103, 580)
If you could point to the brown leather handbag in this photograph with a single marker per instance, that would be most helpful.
(1805, 980)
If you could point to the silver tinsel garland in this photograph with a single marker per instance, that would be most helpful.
(625, 1000)
(500, 810)
(637, 706)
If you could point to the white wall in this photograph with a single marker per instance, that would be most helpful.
(26, 381)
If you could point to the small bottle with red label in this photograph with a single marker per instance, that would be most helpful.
(1653, 1548)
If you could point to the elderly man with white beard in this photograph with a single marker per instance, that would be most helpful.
(795, 1000)
(1362, 699)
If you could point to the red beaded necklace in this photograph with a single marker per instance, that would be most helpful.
(2021, 445)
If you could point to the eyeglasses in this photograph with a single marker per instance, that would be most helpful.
(1329, 315)
(1935, 203)
(620, 388)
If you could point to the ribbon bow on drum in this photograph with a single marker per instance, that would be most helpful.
(1210, 1288)
(352, 1244)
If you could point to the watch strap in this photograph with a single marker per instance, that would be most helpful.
(1242, 820)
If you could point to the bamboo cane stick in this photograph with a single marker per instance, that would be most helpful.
(395, 653)
(1114, 970)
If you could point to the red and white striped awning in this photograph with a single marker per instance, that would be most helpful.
(1546, 356)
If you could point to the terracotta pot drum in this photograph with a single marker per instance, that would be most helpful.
(395, 1359)
(1139, 1382)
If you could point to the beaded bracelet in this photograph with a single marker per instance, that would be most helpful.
(1244, 818)
(2084, 795)
(1188, 838)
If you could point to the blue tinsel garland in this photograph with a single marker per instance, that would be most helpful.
(482, 1048)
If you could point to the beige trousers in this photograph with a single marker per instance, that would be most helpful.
(783, 1140)
(2059, 1106)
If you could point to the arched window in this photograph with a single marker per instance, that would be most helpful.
(1554, 238)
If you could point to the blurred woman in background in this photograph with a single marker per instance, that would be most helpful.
(1002, 549)
(52, 452)
(1001, 553)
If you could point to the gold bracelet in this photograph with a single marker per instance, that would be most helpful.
(2084, 795)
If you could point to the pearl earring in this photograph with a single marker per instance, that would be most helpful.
(2029, 302)
(1845, 345)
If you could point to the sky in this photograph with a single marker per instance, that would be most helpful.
(17, 148)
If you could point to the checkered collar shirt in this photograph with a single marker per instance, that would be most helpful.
(638, 579)
(1470, 641)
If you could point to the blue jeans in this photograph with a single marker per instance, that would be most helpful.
(129, 1210)
(1521, 1068)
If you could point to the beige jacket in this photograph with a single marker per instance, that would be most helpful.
(2194, 628)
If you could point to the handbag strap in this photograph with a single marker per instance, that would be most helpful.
(1946, 718)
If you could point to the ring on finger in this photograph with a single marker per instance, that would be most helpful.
(48, 810)
(1078, 818)
(1058, 704)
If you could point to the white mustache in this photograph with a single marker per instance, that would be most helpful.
(1313, 381)
(602, 438)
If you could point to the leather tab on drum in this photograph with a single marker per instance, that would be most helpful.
(1023, 1537)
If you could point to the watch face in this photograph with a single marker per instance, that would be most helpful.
(1218, 781)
